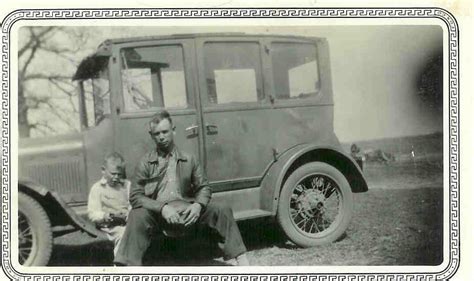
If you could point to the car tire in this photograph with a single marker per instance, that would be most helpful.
(35, 238)
(311, 194)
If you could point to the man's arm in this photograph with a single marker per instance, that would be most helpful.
(203, 192)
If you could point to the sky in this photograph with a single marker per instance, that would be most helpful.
(374, 70)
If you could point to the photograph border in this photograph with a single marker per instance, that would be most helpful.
(210, 13)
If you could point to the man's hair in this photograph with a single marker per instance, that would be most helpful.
(160, 116)
(114, 158)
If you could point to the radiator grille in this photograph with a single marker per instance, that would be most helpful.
(64, 175)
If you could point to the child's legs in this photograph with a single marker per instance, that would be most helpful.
(115, 234)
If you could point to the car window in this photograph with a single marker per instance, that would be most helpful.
(153, 77)
(233, 72)
(295, 70)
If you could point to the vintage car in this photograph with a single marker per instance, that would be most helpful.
(257, 110)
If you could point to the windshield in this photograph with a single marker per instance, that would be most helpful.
(97, 98)
(101, 96)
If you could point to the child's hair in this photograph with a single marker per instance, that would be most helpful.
(114, 158)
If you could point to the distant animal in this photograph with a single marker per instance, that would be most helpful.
(355, 150)
(358, 157)
(377, 155)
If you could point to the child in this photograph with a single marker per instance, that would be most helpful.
(108, 203)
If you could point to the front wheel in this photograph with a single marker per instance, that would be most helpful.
(315, 205)
(35, 239)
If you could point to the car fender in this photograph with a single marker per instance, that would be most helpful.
(58, 211)
(300, 154)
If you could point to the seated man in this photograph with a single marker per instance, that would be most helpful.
(166, 175)
(108, 203)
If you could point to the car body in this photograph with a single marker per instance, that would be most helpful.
(253, 108)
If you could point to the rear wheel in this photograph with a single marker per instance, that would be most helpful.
(315, 205)
(35, 238)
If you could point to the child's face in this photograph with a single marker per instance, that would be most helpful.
(114, 173)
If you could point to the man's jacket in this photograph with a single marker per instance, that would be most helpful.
(192, 182)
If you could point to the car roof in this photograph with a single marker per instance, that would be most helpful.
(94, 62)
(200, 35)
(104, 49)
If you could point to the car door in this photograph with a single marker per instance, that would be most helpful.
(153, 75)
(234, 111)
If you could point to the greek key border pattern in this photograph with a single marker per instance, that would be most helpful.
(58, 14)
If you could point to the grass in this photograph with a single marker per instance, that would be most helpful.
(398, 222)
(396, 227)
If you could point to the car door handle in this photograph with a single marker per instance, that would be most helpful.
(192, 131)
(211, 129)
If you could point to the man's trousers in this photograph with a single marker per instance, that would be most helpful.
(142, 224)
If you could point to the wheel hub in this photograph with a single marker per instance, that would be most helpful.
(314, 204)
(311, 202)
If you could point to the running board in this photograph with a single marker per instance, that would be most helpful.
(251, 214)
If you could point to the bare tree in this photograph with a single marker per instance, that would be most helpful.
(47, 58)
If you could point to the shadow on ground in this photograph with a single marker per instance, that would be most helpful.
(93, 253)
(257, 234)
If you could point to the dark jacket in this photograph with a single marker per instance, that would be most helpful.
(191, 179)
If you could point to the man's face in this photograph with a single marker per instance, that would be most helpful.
(114, 173)
(162, 133)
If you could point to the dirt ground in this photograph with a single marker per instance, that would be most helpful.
(398, 222)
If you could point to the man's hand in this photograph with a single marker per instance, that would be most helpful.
(170, 215)
(192, 213)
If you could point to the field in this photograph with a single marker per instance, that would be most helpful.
(398, 222)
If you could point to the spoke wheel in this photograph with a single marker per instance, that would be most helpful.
(25, 238)
(315, 205)
(35, 238)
